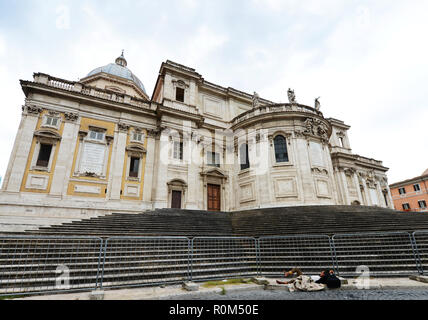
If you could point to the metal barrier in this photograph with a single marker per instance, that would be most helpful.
(39, 264)
(421, 246)
(43, 264)
(223, 257)
(311, 254)
(142, 261)
(384, 254)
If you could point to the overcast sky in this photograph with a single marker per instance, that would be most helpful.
(366, 59)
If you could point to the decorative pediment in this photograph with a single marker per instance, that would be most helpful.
(177, 183)
(136, 149)
(214, 172)
(47, 134)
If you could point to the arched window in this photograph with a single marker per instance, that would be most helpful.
(244, 157)
(281, 152)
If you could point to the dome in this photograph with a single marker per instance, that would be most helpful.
(119, 69)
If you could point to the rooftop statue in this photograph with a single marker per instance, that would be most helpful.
(317, 104)
(256, 100)
(291, 96)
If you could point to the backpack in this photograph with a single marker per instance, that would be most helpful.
(331, 280)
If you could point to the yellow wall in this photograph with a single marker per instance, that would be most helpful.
(102, 183)
(125, 168)
(30, 157)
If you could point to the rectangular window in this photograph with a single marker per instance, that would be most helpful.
(137, 136)
(213, 159)
(51, 121)
(94, 135)
(178, 150)
(406, 206)
(402, 190)
(44, 155)
(244, 157)
(134, 167)
(422, 204)
(417, 187)
(179, 94)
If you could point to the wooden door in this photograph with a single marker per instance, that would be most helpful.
(176, 200)
(214, 200)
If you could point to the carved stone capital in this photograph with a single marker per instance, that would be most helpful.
(319, 170)
(71, 117)
(34, 110)
(123, 127)
(155, 133)
(349, 171)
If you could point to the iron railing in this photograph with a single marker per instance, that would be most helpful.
(42, 264)
(38, 264)
(420, 239)
(142, 261)
(223, 257)
(383, 253)
(310, 253)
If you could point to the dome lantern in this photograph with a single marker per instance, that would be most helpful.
(121, 61)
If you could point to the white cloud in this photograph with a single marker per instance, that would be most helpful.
(201, 44)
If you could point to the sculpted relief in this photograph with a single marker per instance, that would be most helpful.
(316, 127)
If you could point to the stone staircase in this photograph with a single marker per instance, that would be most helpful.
(255, 223)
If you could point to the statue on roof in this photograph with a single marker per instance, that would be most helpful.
(291, 96)
(317, 104)
(256, 100)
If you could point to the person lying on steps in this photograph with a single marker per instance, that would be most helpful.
(301, 282)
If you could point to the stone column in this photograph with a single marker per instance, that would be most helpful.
(161, 171)
(390, 201)
(64, 161)
(345, 187)
(380, 197)
(194, 192)
(357, 186)
(118, 156)
(24, 140)
(149, 170)
(367, 194)
(309, 193)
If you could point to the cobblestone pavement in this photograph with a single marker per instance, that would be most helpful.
(386, 294)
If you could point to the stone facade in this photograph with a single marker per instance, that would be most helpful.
(101, 145)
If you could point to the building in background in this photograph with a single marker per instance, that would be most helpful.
(412, 194)
(102, 145)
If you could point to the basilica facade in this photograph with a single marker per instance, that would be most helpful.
(103, 145)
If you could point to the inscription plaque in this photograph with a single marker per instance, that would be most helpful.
(93, 158)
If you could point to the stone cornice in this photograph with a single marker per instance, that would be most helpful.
(344, 159)
(27, 86)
